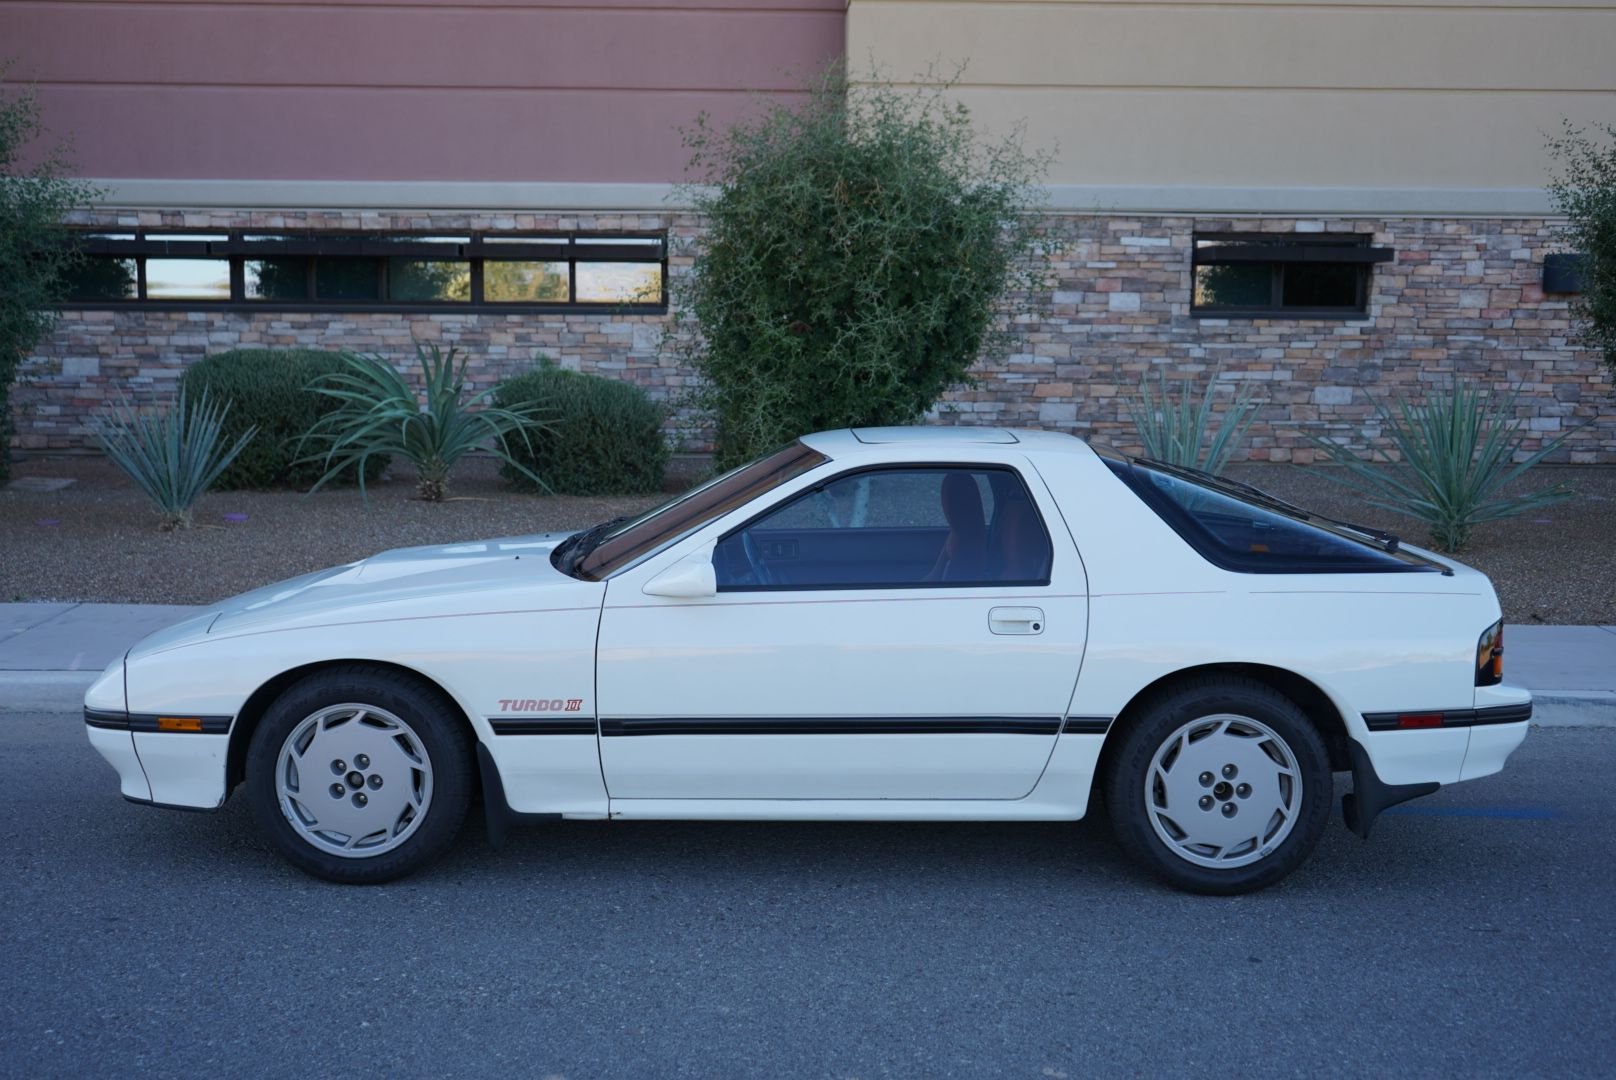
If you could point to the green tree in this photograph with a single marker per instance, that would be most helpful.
(35, 250)
(1584, 190)
(862, 249)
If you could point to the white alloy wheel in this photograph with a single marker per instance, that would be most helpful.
(354, 780)
(1218, 784)
(1223, 791)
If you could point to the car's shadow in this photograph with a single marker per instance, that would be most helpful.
(1080, 855)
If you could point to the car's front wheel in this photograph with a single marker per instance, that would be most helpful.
(1221, 785)
(360, 775)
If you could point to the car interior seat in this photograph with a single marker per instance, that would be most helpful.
(964, 553)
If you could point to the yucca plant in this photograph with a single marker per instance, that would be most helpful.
(1455, 452)
(381, 414)
(1173, 422)
(173, 456)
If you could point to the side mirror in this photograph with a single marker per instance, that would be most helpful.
(689, 578)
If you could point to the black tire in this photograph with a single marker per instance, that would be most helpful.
(432, 729)
(1178, 722)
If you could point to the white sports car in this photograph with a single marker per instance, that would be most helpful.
(903, 624)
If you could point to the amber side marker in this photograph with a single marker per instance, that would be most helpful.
(179, 723)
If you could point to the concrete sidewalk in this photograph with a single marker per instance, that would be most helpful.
(48, 651)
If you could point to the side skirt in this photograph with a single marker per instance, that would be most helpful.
(840, 810)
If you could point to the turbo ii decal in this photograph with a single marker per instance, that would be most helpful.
(538, 705)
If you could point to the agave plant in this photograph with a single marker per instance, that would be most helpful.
(380, 414)
(1456, 453)
(173, 456)
(1173, 422)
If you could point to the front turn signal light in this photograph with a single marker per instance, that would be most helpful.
(1490, 655)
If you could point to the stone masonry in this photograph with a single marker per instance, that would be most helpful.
(1462, 298)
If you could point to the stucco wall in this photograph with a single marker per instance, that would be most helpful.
(1370, 105)
(459, 90)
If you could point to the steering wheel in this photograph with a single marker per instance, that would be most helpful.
(760, 569)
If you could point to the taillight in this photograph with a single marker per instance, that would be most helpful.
(1490, 656)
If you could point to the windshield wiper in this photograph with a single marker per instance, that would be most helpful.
(1380, 537)
(571, 551)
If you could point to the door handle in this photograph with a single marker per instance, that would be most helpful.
(1016, 620)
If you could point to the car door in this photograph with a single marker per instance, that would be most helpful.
(903, 632)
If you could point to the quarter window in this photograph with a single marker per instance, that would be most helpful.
(1249, 532)
(931, 527)
(1283, 275)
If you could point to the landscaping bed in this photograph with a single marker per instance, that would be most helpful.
(97, 539)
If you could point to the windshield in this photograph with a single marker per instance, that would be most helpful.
(612, 545)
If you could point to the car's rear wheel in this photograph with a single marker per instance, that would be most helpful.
(1221, 785)
(360, 775)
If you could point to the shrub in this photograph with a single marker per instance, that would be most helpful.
(378, 414)
(1457, 452)
(172, 456)
(604, 436)
(857, 252)
(1585, 192)
(34, 250)
(1173, 424)
(268, 389)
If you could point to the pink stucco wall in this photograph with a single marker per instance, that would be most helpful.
(492, 90)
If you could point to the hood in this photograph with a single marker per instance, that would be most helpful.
(443, 579)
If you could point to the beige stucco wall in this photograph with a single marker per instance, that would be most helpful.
(1350, 106)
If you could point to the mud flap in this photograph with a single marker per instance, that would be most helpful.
(1370, 795)
(496, 810)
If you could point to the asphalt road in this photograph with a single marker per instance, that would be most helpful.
(1472, 935)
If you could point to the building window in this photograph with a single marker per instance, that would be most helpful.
(369, 271)
(1284, 275)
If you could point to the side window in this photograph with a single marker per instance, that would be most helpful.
(921, 527)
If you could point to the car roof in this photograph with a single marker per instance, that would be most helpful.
(845, 441)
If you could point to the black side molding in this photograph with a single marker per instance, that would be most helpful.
(496, 809)
(111, 719)
(618, 727)
(542, 725)
(1492, 714)
(1370, 794)
(118, 720)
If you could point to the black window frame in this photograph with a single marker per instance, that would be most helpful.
(474, 247)
(1278, 251)
(901, 466)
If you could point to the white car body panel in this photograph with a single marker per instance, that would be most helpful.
(841, 653)
(118, 748)
(536, 660)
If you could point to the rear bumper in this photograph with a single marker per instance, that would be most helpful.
(1395, 763)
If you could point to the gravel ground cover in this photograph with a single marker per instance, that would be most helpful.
(96, 539)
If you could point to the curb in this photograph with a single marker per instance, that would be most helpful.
(44, 691)
(1574, 708)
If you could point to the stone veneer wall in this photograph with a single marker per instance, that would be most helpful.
(92, 356)
(1462, 296)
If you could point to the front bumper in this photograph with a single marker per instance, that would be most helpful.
(157, 762)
